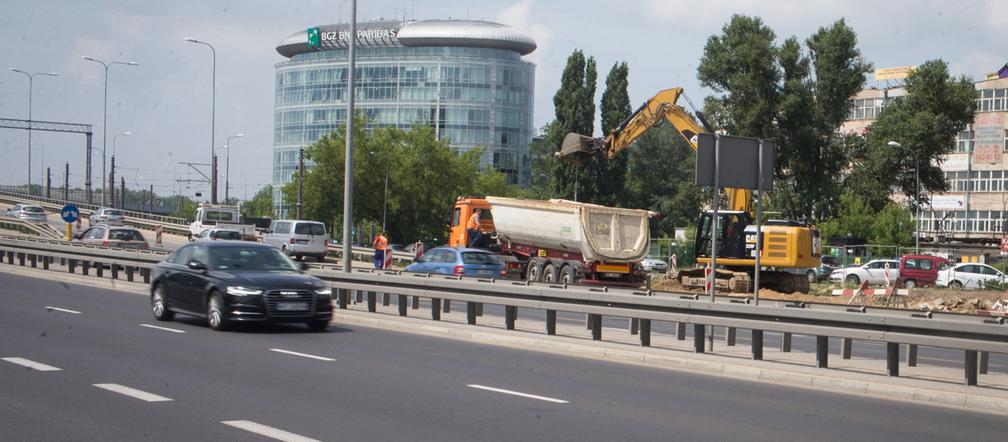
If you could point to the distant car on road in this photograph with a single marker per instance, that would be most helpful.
(105, 215)
(968, 276)
(874, 272)
(27, 212)
(113, 236)
(229, 281)
(464, 262)
(827, 264)
(298, 238)
(651, 264)
(218, 234)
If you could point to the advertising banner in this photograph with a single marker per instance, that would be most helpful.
(989, 138)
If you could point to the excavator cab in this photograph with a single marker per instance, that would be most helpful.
(731, 235)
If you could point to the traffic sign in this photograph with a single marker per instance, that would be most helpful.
(70, 213)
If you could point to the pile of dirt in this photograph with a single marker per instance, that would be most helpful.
(923, 299)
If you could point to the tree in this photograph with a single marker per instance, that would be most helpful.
(854, 217)
(893, 225)
(605, 179)
(261, 204)
(926, 120)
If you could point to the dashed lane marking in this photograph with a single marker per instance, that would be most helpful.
(64, 310)
(303, 355)
(155, 327)
(38, 366)
(518, 393)
(263, 430)
(133, 393)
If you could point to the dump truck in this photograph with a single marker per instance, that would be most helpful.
(559, 240)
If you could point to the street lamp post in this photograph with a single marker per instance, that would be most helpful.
(31, 79)
(916, 194)
(112, 175)
(213, 113)
(105, 108)
(227, 168)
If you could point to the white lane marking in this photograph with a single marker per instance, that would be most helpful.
(263, 430)
(303, 355)
(162, 328)
(518, 393)
(51, 308)
(32, 364)
(133, 392)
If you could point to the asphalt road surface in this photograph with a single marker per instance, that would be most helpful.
(82, 363)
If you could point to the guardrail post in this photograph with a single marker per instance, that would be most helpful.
(343, 296)
(115, 271)
(680, 331)
(699, 330)
(822, 351)
(984, 362)
(371, 302)
(99, 269)
(471, 313)
(510, 314)
(34, 261)
(129, 273)
(634, 324)
(45, 262)
(479, 309)
(785, 342)
(403, 300)
(416, 302)
(21, 259)
(550, 322)
(730, 337)
(911, 355)
(85, 267)
(385, 299)
(596, 327)
(10, 258)
(62, 261)
(757, 345)
(892, 358)
(435, 309)
(447, 305)
(846, 346)
(146, 275)
(360, 296)
(645, 332)
(971, 367)
(72, 265)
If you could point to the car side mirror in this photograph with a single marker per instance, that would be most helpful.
(197, 265)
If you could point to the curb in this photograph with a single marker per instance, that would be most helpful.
(671, 360)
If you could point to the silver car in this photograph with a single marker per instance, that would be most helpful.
(109, 236)
(298, 238)
(27, 212)
(105, 215)
(654, 265)
(218, 234)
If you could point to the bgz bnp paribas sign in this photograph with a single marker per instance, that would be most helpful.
(339, 37)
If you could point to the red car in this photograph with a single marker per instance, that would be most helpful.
(919, 270)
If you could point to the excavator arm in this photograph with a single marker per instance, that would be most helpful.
(661, 107)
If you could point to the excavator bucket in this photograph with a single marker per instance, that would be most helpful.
(577, 148)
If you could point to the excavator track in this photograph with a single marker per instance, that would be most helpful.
(728, 281)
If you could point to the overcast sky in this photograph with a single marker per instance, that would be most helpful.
(165, 101)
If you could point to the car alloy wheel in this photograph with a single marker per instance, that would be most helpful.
(853, 279)
(956, 285)
(811, 276)
(215, 313)
(909, 284)
(161, 312)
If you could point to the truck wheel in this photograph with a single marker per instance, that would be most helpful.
(549, 273)
(534, 270)
(567, 274)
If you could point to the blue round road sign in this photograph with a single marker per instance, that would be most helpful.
(70, 213)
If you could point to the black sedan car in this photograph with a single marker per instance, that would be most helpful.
(231, 281)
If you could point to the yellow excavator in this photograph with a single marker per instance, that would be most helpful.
(790, 249)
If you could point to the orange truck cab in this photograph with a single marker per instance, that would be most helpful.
(463, 209)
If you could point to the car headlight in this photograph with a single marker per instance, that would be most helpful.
(243, 291)
(324, 291)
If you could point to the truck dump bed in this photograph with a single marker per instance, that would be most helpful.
(598, 233)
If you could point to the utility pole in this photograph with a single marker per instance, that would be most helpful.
(111, 179)
(122, 192)
(300, 181)
(213, 180)
(66, 183)
(150, 207)
(48, 183)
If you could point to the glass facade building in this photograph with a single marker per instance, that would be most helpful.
(466, 79)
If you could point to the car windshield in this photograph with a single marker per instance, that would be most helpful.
(226, 234)
(480, 258)
(125, 235)
(250, 259)
(113, 213)
(310, 229)
(33, 209)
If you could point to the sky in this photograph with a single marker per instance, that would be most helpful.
(165, 101)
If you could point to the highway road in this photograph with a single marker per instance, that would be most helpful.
(84, 363)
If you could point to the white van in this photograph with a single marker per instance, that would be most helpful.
(298, 238)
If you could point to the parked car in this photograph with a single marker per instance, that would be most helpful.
(230, 281)
(113, 236)
(105, 215)
(874, 272)
(919, 270)
(215, 234)
(298, 238)
(462, 261)
(651, 264)
(827, 264)
(968, 276)
(27, 212)
(397, 247)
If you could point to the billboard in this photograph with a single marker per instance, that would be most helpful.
(894, 73)
(989, 138)
(948, 202)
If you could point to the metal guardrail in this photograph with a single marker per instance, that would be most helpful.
(30, 227)
(974, 335)
(168, 224)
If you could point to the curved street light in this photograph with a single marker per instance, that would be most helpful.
(213, 114)
(916, 194)
(105, 109)
(31, 79)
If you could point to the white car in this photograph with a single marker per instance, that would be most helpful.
(874, 272)
(105, 215)
(968, 276)
(27, 212)
(218, 234)
(654, 265)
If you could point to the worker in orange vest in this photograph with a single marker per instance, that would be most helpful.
(473, 228)
(380, 246)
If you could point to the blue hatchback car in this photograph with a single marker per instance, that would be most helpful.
(465, 262)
